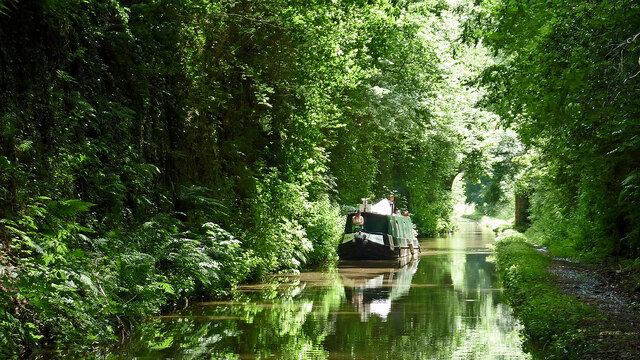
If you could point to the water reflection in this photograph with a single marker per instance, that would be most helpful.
(373, 286)
(444, 306)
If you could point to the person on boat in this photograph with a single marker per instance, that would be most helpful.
(392, 203)
(358, 221)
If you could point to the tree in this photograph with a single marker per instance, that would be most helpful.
(567, 83)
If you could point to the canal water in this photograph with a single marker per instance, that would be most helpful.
(445, 305)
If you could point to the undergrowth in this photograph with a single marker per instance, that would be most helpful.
(70, 283)
(556, 325)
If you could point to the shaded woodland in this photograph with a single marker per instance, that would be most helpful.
(566, 80)
(153, 152)
(158, 151)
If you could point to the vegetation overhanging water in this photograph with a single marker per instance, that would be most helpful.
(445, 305)
(156, 152)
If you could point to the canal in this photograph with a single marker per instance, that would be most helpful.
(445, 305)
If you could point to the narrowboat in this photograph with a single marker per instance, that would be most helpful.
(381, 237)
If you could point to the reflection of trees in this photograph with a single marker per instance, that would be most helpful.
(439, 318)
(444, 308)
(288, 326)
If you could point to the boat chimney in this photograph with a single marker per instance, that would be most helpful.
(365, 206)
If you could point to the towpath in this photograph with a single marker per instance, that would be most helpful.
(609, 290)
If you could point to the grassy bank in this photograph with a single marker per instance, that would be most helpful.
(557, 326)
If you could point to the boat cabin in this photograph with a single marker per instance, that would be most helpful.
(381, 237)
(397, 226)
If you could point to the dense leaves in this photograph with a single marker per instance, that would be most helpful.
(568, 84)
(152, 152)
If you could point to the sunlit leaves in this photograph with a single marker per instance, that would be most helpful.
(566, 82)
(255, 118)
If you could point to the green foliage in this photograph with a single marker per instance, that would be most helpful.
(185, 146)
(553, 321)
(81, 287)
(13, 331)
(413, 126)
(566, 81)
(494, 193)
(52, 277)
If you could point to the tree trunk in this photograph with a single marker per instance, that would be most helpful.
(522, 211)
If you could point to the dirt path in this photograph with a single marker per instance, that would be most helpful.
(619, 335)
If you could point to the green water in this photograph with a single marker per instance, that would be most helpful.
(444, 305)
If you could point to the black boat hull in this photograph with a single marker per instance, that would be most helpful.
(360, 249)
